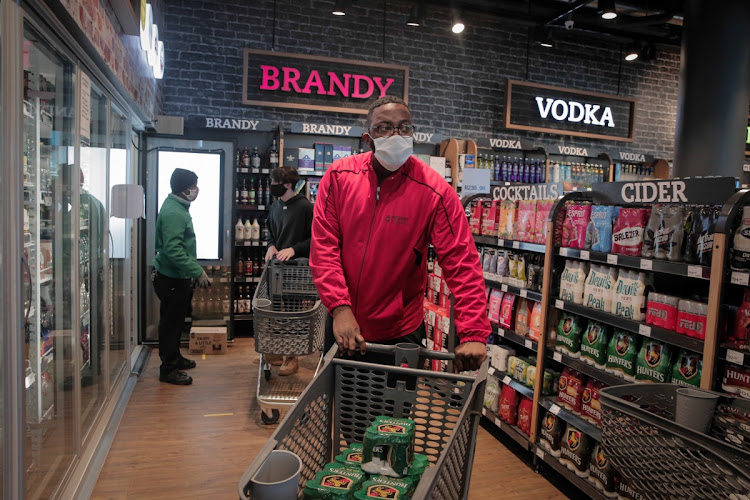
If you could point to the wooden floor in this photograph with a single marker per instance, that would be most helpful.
(195, 442)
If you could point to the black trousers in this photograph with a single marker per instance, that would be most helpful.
(414, 337)
(175, 296)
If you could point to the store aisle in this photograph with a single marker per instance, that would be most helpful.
(195, 442)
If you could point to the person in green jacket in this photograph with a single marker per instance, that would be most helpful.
(175, 268)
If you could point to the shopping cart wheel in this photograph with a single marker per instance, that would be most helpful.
(269, 419)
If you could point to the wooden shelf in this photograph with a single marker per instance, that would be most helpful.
(653, 332)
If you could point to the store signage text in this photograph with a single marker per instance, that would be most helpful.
(301, 81)
(529, 192)
(231, 124)
(150, 43)
(505, 144)
(703, 191)
(574, 111)
(326, 129)
(572, 151)
(546, 108)
(639, 157)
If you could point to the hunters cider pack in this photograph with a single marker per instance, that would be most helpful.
(388, 446)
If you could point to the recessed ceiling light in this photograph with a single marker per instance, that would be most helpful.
(632, 52)
(608, 9)
(415, 17)
(458, 27)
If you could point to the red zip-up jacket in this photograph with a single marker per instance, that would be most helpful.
(369, 248)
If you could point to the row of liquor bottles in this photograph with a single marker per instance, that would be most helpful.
(255, 231)
(246, 159)
(582, 175)
(215, 301)
(253, 190)
(249, 262)
(525, 170)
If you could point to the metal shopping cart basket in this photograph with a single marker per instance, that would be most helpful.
(344, 398)
(289, 320)
(661, 459)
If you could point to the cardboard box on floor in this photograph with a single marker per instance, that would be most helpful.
(208, 340)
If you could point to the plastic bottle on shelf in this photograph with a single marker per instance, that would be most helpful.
(248, 230)
(255, 230)
(239, 230)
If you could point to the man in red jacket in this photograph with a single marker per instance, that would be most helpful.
(373, 219)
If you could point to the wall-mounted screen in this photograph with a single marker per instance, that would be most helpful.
(206, 209)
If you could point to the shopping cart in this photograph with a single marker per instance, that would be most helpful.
(661, 459)
(288, 319)
(346, 396)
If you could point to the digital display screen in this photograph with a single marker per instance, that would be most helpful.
(206, 209)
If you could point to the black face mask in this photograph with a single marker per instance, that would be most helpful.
(278, 190)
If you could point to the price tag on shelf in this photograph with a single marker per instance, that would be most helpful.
(222, 280)
(528, 344)
(554, 409)
(524, 293)
(501, 332)
(491, 371)
(611, 259)
(265, 171)
(695, 271)
(248, 243)
(256, 170)
(739, 278)
(644, 330)
(504, 288)
(564, 252)
(540, 453)
(735, 357)
(261, 207)
(516, 245)
(500, 243)
(557, 357)
(484, 411)
(226, 318)
(559, 304)
(243, 170)
(498, 423)
(506, 380)
(585, 255)
(647, 264)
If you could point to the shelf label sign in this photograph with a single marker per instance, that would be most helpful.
(500, 143)
(223, 123)
(549, 191)
(427, 138)
(635, 157)
(557, 110)
(301, 81)
(700, 191)
(475, 181)
(326, 129)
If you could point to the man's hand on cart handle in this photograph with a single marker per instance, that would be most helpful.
(286, 254)
(469, 356)
(346, 331)
(270, 253)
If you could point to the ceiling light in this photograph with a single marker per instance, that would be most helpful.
(458, 27)
(415, 18)
(632, 52)
(340, 8)
(541, 37)
(607, 8)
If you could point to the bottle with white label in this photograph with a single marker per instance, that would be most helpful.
(739, 256)
(248, 230)
(274, 156)
(239, 230)
(255, 230)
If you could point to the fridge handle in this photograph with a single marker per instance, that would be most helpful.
(31, 284)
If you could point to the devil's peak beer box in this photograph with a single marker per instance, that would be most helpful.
(208, 340)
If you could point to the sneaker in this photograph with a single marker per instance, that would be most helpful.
(185, 364)
(290, 366)
(176, 377)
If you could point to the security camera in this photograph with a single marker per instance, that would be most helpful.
(569, 24)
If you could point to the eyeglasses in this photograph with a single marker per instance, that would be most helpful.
(387, 130)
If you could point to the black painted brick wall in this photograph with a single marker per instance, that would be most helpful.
(457, 84)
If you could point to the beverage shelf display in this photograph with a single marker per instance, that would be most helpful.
(647, 260)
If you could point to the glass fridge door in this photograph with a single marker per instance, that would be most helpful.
(49, 236)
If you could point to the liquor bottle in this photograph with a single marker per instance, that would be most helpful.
(240, 301)
(264, 231)
(248, 230)
(238, 160)
(245, 157)
(262, 192)
(257, 264)
(225, 302)
(239, 230)
(237, 191)
(273, 158)
(504, 174)
(255, 158)
(251, 192)
(243, 192)
(248, 300)
(525, 172)
(268, 195)
(248, 265)
(255, 230)
(240, 264)
(514, 173)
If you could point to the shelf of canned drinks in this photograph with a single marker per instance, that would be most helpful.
(581, 483)
(516, 338)
(515, 384)
(586, 368)
(656, 333)
(580, 423)
(511, 430)
(493, 282)
(659, 266)
(515, 245)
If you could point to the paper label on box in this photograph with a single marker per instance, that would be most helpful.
(612, 259)
(735, 357)
(647, 264)
(695, 271)
(739, 278)
(644, 330)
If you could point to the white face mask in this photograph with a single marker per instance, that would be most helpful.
(191, 195)
(392, 152)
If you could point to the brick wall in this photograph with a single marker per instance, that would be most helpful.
(457, 84)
